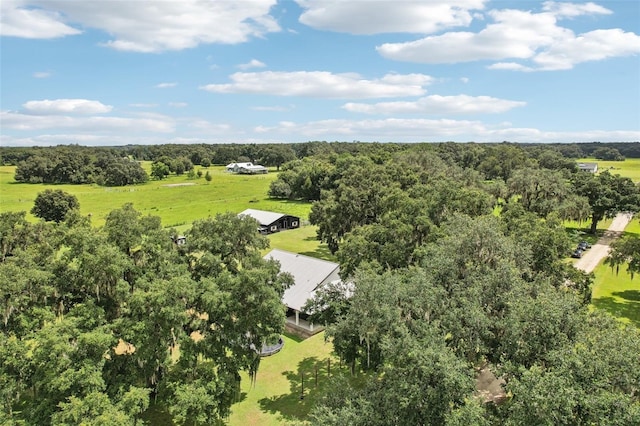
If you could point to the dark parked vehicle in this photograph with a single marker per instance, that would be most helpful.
(577, 253)
(583, 245)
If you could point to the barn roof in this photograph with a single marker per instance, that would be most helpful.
(308, 273)
(263, 217)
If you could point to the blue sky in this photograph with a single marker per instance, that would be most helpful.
(114, 72)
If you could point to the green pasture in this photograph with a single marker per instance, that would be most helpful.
(302, 241)
(274, 397)
(177, 200)
(628, 168)
(615, 291)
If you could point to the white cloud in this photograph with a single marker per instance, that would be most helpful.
(273, 108)
(94, 140)
(592, 46)
(66, 106)
(510, 66)
(254, 63)
(323, 84)
(142, 105)
(165, 85)
(145, 26)
(366, 129)
(439, 105)
(178, 104)
(41, 74)
(207, 126)
(523, 35)
(376, 16)
(465, 80)
(28, 122)
(425, 130)
(570, 10)
(122, 131)
(515, 34)
(19, 19)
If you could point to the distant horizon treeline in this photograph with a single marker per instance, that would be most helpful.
(118, 165)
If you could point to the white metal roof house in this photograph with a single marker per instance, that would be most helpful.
(588, 167)
(246, 168)
(309, 274)
(271, 221)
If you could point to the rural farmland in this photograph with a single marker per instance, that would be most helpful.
(319, 213)
(420, 229)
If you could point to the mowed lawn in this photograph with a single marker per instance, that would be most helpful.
(302, 241)
(615, 291)
(275, 396)
(177, 200)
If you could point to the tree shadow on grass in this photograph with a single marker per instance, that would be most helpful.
(322, 252)
(631, 295)
(294, 337)
(298, 402)
(628, 307)
(584, 233)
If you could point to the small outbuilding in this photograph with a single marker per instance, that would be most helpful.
(271, 222)
(180, 240)
(246, 168)
(588, 167)
(309, 274)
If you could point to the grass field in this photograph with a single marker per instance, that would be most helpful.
(177, 200)
(274, 398)
(628, 168)
(617, 292)
(302, 241)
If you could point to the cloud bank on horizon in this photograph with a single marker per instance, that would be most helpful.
(198, 71)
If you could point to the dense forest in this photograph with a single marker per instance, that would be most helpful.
(453, 259)
(117, 166)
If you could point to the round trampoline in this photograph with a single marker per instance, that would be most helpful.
(272, 348)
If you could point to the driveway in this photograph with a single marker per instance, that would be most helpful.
(592, 257)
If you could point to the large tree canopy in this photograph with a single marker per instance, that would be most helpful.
(607, 194)
(96, 321)
(625, 251)
(54, 205)
(474, 303)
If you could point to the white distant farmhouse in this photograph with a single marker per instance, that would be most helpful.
(588, 167)
(246, 168)
(309, 274)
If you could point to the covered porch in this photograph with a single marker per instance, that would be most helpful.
(298, 323)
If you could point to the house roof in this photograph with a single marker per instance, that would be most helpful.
(263, 217)
(588, 166)
(232, 165)
(308, 273)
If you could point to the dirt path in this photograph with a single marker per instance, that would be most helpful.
(600, 250)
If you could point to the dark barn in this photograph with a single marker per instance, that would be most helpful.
(271, 222)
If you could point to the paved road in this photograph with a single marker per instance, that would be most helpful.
(592, 257)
